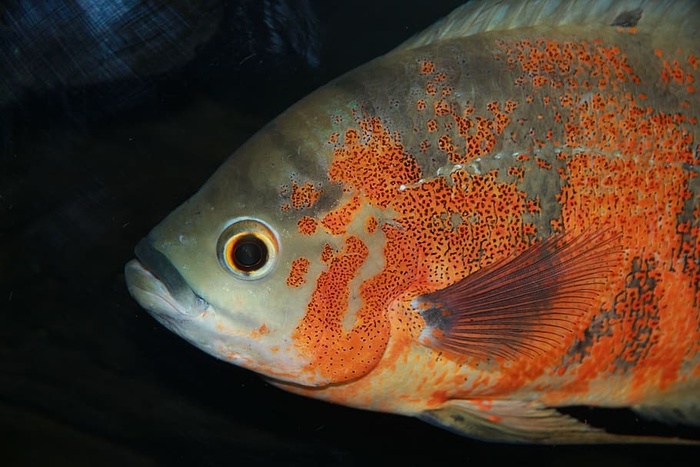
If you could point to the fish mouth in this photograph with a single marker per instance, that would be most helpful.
(158, 286)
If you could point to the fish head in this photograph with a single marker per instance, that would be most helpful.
(225, 269)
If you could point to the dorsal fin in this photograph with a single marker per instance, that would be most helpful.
(674, 17)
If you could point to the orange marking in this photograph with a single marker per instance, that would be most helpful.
(518, 172)
(297, 272)
(364, 165)
(543, 164)
(327, 254)
(337, 221)
(427, 68)
(442, 108)
(533, 206)
(339, 355)
(693, 61)
(438, 398)
(261, 331)
(621, 164)
(371, 224)
(307, 225)
(304, 196)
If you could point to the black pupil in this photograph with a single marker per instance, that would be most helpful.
(249, 253)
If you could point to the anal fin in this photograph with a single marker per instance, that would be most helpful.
(512, 421)
(677, 408)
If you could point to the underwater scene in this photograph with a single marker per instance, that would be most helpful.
(113, 114)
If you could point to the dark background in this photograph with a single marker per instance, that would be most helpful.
(94, 151)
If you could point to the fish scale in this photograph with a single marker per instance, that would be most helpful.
(496, 219)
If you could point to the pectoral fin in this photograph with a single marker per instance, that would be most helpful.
(523, 305)
(511, 421)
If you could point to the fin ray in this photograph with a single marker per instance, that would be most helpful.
(514, 421)
(674, 17)
(521, 305)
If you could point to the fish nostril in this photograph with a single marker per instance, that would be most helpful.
(161, 267)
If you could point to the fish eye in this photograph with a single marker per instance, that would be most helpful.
(248, 248)
(249, 253)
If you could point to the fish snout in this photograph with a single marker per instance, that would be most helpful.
(157, 285)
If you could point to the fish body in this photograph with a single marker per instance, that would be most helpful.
(495, 220)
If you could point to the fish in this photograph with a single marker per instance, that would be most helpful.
(492, 223)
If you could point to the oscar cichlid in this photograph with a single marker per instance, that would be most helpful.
(498, 219)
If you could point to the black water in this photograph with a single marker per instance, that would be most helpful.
(90, 161)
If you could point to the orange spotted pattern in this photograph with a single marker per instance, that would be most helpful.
(373, 163)
(476, 135)
(585, 126)
(371, 224)
(338, 354)
(337, 220)
(303, 196)
(429, 243)
(297, 272)
(307, 225)
(646, 323)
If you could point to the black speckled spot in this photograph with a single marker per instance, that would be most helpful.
(628, 19)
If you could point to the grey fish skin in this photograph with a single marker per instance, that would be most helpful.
(496, 219)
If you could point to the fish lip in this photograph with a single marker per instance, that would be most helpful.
(166, 281)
